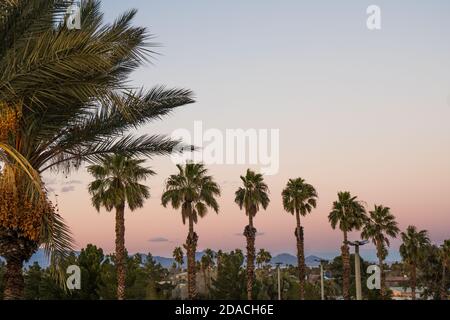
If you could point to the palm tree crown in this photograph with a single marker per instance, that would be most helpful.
(380, 226)
(299, 196)
(263, 257)
(193, 190)
(178, 256)
(413, 243)
(117, 182)
(347, 213)
(254, 194)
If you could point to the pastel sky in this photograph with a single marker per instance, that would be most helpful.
(358, 110)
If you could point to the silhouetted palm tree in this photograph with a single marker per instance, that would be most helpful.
(380, 225)
(116, 185)
(263, 257)
(348, 214)
(194, 191)
(299, 198)
(413, 243)
(178, 256)
(207, 262)
(253, 195)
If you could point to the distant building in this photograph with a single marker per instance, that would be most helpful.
(404, 293)
(397, 281)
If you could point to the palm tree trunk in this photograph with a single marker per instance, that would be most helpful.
(346, 268)
(14, 282)
(250, 234)
(209, 282)
(382, 276)
(191, 247)
(205, 280)
(413, 281)
(120, 251)
(16, 250)
(300, 257)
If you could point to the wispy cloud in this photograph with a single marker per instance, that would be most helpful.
(67, 189)
(158, 239)
(229, 182)
(71, 182)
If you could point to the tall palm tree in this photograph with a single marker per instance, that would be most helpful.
(194, 191)
(348, 213)
(117, 184)
(445, 257)
(413, 243)
(251, 197)
(64, 99)
(379, 227)
(178, 256)
(299, 198)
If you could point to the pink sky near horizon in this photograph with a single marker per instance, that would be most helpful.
(359, 111)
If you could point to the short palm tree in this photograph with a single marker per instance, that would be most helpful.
(251, 197)
(299, 198)
(379, 227)
(117, 184)
(194, 191)
(64, 100)
(207, 262)
(445, 258)
(348, 213)
(411, 249)
(263, 257)
(178, 256)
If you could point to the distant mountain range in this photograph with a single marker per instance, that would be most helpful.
(283, 258)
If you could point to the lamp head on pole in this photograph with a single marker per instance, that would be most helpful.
(357, 243)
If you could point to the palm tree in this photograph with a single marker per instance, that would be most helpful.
(64, 99)
(178, 256)
(207, 262)
(445, 257)
(194, 191)
(299, 198)
(263, 257)
(117, 184)
(380, 225)
(348, 213)
(413, 243)
(253, 195)
(219, 259)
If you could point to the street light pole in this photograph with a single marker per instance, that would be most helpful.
(356, 244)
(279, 280)
(358, 274)
(322, 289)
